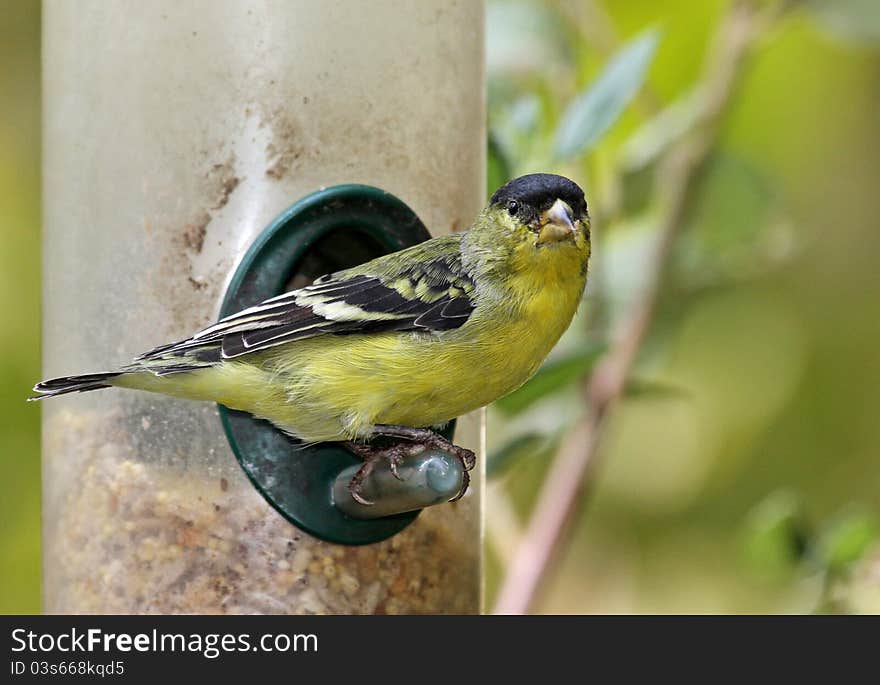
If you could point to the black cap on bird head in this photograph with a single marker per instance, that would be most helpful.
(539, 191)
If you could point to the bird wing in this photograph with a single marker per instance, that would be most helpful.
(423, 288)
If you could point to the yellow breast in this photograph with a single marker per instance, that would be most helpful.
(424, 379)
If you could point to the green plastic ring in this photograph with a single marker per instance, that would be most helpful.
(297, 480)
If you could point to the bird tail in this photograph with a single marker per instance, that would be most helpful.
(67, 384)
(145, 373)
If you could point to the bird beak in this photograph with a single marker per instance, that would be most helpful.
(556, 224)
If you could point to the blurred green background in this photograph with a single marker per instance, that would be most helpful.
(20, 302)
(742, 471)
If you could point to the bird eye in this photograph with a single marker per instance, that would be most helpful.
(512, 207)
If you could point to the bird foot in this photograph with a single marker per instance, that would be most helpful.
(394, 455)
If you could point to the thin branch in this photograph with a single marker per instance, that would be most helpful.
(561, 494)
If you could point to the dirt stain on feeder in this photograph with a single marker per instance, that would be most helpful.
(282, 164)
(219, 183)
(223, 181)
(285, 149)
(182, 280)
(195, 231)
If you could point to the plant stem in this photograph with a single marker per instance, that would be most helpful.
(562, 492)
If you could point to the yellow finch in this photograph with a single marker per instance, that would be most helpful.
(408, 341)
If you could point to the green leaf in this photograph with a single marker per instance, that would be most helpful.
(775, 538)
(551, 378)
(846, 538)
(594, 111)
(529, 446)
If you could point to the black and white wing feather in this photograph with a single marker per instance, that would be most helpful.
(420, 289)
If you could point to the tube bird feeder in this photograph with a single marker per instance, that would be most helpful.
(199, 157)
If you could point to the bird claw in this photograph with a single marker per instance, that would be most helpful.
(394, 455)
(354, 491)
(468, 458)
(465, 482)
(357, 481)
(395, 459)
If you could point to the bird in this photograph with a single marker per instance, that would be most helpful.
(396, 347)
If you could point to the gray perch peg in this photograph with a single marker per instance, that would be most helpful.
(431, 477)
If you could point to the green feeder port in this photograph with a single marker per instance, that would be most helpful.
(326, 231)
